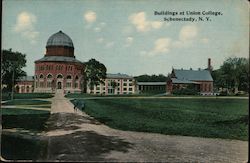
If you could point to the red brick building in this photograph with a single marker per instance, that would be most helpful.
(199, 79)
(59, 69)
(25, 85)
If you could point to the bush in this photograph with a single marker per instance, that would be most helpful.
(185, 91)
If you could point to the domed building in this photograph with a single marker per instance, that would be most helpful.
(59, 69)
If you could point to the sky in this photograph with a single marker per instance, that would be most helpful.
(126, 35)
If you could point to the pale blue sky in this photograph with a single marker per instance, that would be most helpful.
(126, 35)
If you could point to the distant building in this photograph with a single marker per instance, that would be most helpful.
(58, 69)
(147, 87)
(25, 85)
(115, 84)
(200, 79)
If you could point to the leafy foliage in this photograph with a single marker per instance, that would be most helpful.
(233, 74)
(151, 78)
(95, 73)
(12, 61)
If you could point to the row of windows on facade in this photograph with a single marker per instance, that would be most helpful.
(118, 89)
(49, 85)
(51, 67)
(112, 92)
(59, 76)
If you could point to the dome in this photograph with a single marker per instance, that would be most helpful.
(59, 39)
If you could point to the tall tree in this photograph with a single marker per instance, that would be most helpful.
(233, 74)
(95, 73)
(12, 64)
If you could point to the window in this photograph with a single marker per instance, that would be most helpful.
(130, 80)
(76, 85)
(49, 76)
(41, 84)
(124, 84)
(49, 84)
(69, 77)
(118, 89)
(59, 76)
(130, 89)
(124, 89)
(98, 88)
(68, 84)
(130, 84)
(41, 76)
(76, 78)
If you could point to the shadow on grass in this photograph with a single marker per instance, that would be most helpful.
(85, 146)
(19, 148)
(34, 122)
(242, 120)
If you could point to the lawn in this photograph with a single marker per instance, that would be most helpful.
(26, 102)
(84, 95)
(15, 146)
(215, 118)
(6, 96)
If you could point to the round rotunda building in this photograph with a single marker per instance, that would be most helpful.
(58, 69)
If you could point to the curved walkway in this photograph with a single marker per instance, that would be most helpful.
(75, 136)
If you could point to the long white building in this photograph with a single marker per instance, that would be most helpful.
(115, 84)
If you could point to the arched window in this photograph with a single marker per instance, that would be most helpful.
(41, 76)
(49, 76)
(76, 78)
(59, 76)
(68, 77)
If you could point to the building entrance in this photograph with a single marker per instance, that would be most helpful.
(59, 85)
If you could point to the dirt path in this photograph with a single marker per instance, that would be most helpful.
(78, 137)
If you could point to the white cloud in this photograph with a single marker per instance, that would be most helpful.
(90, 16)
(188, 32)
(97, 29)
(25, 26)
(102, 24)
(142, 24)
(205, 40)
(161, 46)
(187, 36)
(109, 44)
(129, 41)
(100, 40)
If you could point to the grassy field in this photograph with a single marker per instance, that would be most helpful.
(33, 120)
(215, 118)
(6, 96)
(26, 102)
(84, 95)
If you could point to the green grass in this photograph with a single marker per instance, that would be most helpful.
(6, 96)
(26, 102)
(18, 148)
(215, 118)
(27, 119)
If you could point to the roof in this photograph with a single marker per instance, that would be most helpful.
(177, 81)
(119, 76)
(59, 39)
(26, 78)
(58, 59)
(194, 75)
(151, 83)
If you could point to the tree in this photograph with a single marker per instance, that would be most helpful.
(152, 78)
(95, 73)
(233, 75)
(12, 64)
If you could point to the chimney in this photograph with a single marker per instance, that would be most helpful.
(209, 64)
